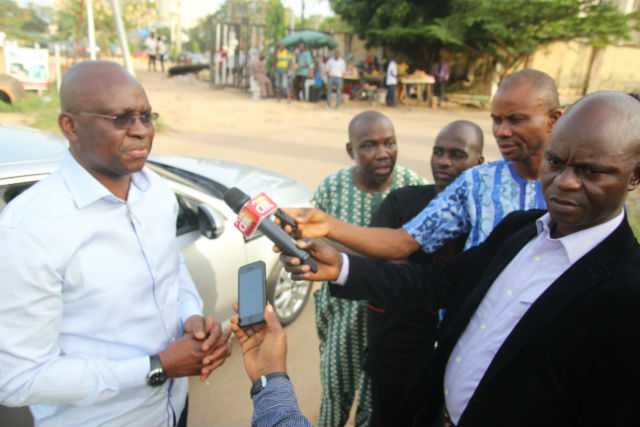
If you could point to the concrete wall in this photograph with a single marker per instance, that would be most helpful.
(614, 68)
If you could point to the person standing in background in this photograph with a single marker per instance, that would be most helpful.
(353, 194)
(283, 63)
(336, 68)
(392, 80)
(151, 45)
(304, 63)
(162, 51)
(440, 72)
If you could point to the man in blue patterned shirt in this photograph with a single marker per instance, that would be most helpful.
(523, 111)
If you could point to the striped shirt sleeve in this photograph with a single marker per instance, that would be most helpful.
(277, 406)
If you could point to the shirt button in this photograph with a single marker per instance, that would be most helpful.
(509, 292)
(435, 345)
(533, 185)
(483, 327)
(536, 257)
(446, 392)
(458, 359)
(162, 308)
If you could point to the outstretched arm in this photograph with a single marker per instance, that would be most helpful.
(374, 242)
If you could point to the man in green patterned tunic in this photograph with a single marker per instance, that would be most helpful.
(354, 194)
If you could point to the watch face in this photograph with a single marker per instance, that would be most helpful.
(157, 378)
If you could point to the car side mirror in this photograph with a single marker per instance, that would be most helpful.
(210, 222)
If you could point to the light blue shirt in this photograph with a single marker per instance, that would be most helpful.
(91, 286)
(474, 203)
(524, 279)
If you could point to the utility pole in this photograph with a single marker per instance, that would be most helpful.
(122, 37)
(91, 30)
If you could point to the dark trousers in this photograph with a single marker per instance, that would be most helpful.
(391, 95)
(385, 399)
(298, 86)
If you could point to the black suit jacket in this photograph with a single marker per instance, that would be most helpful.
(574, 357)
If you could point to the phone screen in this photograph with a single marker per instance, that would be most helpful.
(251, 293)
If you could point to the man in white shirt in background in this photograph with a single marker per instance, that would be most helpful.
(336, 67)
(391, 82)
(100, 320)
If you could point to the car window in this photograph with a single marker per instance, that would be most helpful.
(187, 215)
(11, 191)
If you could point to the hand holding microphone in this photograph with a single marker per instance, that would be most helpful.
(255, 213)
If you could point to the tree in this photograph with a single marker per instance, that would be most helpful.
(401, 25)
(509, 31)
(135, 14)
(27, 24)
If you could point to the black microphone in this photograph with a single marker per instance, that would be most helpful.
(236, 199)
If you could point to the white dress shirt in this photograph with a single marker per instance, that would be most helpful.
(336, 67)
(538, 264)
(91, 286)
(524, 279)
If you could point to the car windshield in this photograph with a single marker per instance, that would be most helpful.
(189, 178)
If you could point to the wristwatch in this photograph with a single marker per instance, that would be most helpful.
(156, 376)
(262, 382)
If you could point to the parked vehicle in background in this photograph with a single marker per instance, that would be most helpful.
(212, 247)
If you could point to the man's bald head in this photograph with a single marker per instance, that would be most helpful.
(543, 83)
(592, 161)
(363, 118)
(82, 80)
(466, 132)
(613, 115)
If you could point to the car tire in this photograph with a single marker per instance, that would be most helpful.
(288, 297)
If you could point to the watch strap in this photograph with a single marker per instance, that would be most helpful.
(262, 382)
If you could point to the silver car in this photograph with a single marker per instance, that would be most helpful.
(212, 247)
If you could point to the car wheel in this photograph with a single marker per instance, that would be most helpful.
(287, 296)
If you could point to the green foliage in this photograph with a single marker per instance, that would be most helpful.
(509, 31)
(237, 10)
(200, 35)
(336, 24)
(135, 14)
(274, 30)
(23, 24)
(42, 111)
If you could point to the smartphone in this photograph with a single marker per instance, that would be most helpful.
(252, 293)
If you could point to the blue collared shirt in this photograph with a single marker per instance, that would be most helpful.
(474, 203)
(276, 405)
(91, 286)
(538, 264)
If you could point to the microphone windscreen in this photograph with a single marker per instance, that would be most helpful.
(235, 199)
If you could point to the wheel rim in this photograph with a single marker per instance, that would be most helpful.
(289, 295)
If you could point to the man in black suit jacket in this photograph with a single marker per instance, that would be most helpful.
(557, 294)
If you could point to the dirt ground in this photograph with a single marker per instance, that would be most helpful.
(299, 139)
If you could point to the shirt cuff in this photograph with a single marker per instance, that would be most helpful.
(132, 373)
(344, 271)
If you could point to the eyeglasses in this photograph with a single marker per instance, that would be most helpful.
(125, 120)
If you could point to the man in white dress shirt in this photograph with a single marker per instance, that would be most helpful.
(336, 68)
(100, 320)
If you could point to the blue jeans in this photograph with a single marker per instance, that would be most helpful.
(391, 95)
(337, 81)
(281, 81)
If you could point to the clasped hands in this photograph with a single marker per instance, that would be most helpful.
(202, 348)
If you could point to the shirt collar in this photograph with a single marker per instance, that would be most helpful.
(85, 189)
(579, 243)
